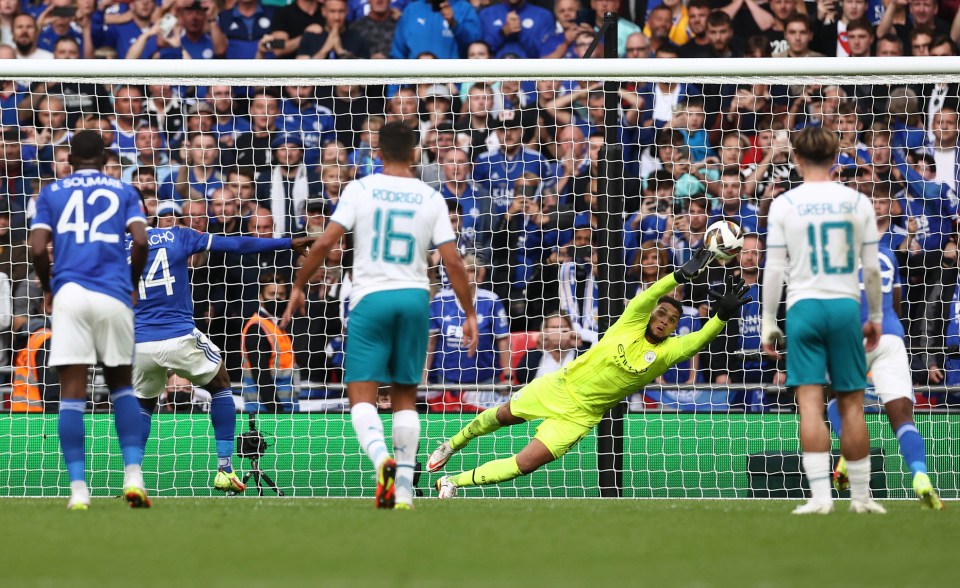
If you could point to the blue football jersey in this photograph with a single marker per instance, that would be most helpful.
(88, 214)
(446, 318)
(165, 307)
(889, 279)
(495, 175)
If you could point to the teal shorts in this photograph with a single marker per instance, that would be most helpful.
(387, 335)
(826, 337)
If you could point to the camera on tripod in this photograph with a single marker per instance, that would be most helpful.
(252, 445)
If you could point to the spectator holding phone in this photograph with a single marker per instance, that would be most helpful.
(517, 27)
(244, 26)
(444, 28)
(62, 19)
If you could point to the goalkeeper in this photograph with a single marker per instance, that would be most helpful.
(633, 353)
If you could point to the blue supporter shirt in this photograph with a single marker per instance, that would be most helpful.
(447, 318)
(165, 306)
(750, 314)
(88, 214)
(9, 115)
(536, 24)
(747, 217)
(889, 280)
(894, 236)
(125, 144)
(495, 174)
(244, 32)
(422, 29)
(314, 124)
(121, 37)
(47, 38)
(471, 209)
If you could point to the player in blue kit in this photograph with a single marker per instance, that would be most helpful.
(890, 369)
(167, 337)
(86, 215)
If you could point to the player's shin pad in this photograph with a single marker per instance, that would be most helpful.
(492, 472)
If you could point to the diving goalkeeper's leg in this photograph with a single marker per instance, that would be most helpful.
(531, 458)
(555, 437)
(486, 422)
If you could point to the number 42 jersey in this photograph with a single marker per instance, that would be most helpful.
(88, 214)
(394, 221)
(824, 226)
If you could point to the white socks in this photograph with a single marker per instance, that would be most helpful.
(406, 436)
(78, 489)
(816, 465)
(859, 474)
(132, 476)
(369, 429)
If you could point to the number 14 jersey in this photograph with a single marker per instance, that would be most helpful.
(394, 221)
(824, 227)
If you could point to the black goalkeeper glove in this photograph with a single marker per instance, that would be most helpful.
(700, 259)
(731, 299)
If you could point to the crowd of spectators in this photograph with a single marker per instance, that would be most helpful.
(519, 163)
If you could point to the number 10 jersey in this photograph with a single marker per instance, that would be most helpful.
(824, 227)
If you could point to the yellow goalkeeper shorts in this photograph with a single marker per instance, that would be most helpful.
(565, 422)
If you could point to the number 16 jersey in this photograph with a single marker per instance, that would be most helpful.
(88, 214)
(824, 226)
(394, 221)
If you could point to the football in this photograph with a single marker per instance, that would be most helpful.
(724, 239)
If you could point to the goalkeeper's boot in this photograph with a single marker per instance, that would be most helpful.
(386, 484)
(446, 488)
(814, 507)
(840, 480)
(929, 499)
(403, 506)
(867, 506)
(228, 482)
(136, 497)
(440, 456)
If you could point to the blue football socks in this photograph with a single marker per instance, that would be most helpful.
(223, 415)
(912, 448)
(128, 421)
(70, 429)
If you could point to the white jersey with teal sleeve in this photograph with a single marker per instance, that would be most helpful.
(394, 222)
(823, 226)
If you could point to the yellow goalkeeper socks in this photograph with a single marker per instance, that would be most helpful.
(486, 422)
(492, 472)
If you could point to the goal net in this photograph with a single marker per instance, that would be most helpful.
(572, 187)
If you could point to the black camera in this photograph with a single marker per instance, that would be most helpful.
(252, 444)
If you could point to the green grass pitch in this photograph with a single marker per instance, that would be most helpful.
(461, 543)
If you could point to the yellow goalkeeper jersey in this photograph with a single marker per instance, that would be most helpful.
(623, 361)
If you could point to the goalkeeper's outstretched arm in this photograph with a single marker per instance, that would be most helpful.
(728, 303)
(643, 303)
